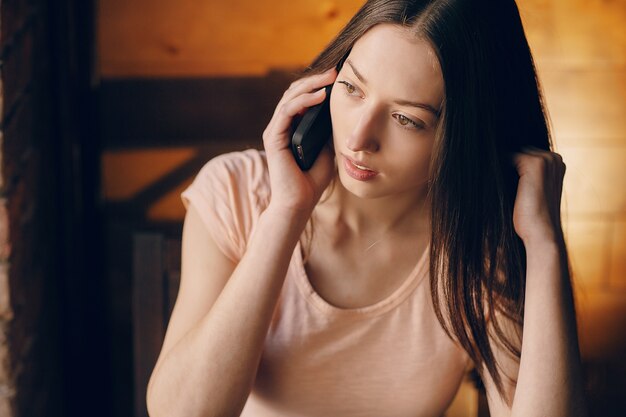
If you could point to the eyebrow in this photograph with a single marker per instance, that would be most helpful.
(424, 106)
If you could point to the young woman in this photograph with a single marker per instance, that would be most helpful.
(425, 240)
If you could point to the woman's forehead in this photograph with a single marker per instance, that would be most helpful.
(392, 59)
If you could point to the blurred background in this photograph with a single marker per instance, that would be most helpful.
(108, 110)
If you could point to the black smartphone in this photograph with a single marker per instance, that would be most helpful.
(313, 130)
(312, 133)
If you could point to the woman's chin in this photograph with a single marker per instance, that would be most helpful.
(361, 189)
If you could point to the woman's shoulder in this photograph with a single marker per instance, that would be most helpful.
(249, 163)
(230, 191)
(246, 169)
(240, 177)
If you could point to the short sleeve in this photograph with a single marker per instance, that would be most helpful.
(230, 191)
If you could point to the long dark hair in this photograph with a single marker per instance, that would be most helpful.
(492, 107)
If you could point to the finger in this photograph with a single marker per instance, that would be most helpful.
(299, 81)
(554, 160)
(298, 105)
(285, 113)
(560, 164)
(533, 150)
(518, 159)
(279, 108)
(302, 86)
(529, 163)
(532, 155)
(308, 84)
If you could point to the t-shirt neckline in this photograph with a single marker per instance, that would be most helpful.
(392, 300)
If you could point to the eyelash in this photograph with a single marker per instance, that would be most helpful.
(414, 125)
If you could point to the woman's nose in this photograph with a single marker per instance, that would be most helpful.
(363, 137)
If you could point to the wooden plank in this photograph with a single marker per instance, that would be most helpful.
(173, 249)
(144, 38)
(147, 310)
(190, 112)
(158, 199)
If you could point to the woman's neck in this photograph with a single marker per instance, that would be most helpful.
(366, 218)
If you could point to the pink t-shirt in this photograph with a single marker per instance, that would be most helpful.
(389, 359)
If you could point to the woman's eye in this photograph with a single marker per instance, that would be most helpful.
(406, 122)
(350, 89)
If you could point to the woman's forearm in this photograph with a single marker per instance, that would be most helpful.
(550, 381)
(210, 372)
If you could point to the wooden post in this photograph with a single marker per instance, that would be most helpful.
(148, 309)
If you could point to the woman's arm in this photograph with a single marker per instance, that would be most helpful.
(210, 371)
(549, 375)
(550, 381)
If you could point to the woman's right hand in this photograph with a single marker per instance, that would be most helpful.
(292, 189)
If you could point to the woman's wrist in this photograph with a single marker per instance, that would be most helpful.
(547, 249)
(295, 217)
(276, 233)
(543, 238)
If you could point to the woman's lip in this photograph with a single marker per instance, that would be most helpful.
(356, 173)
(358, 164)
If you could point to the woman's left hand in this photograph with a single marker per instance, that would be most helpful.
(537, 210)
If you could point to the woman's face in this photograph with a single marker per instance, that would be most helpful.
(384, 106)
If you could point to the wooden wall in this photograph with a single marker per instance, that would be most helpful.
(29, 311)
(580, 51)
(208, 38)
